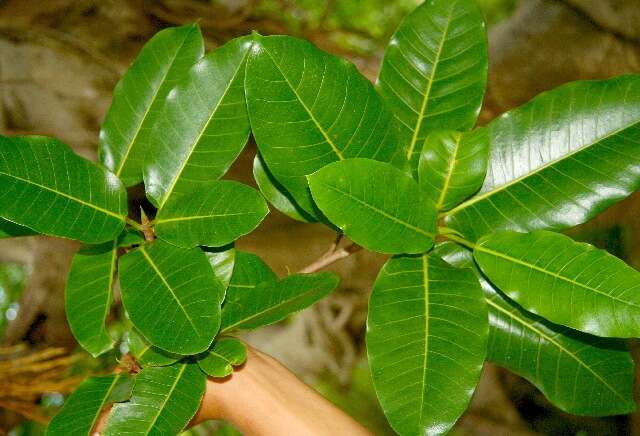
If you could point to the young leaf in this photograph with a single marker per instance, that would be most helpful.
(248, 272)
(172, 296)
(164, 401)
(426, 341)
(276, 194)
(579, 373)
(452, 166)
(558, 160)
(87, 296)
(376, 205)
(271, 301)
(308, 109)
(146, 354)
(82, 409)
(50, 189)
(13, 230)
(220, 360)
(223, 263)
(434, 71)
(214, 215)
(139, 96)
(202, 127)
(566, 282)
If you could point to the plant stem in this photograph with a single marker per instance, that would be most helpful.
(333, 255)
(134, 224)
(460, 240)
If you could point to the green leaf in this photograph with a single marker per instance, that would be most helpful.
(426, 341)
(214, 215)
(225, 354)
(87, 297)
(249, 271)
(308, 109)
(13, 230)
(579, 373)
(376, 205)
(130, 238)
(172, 296)
(434, 71)
(222, 263)
(276, 194)
(138, 97)
(558, 160)
(146, 354)
(203, 125)
(566, 282)
(251, 307)
(452, 166)
(47, 187)
(83, 407)
(164, 401)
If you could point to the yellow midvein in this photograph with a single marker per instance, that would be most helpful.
(447, 179)
(166, 398)
(425, 279)
(105, 398)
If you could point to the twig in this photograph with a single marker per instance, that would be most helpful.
(332, 256)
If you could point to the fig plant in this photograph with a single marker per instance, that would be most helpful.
(470, 216)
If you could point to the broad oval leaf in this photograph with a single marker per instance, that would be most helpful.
(434, 71)
(223, 262)
(579, 373)
(566, 282)
(452, 166)
(426, 341)
(87, 297)
(223, 356)
(203, 125)
(308, 109)
(13, 230)
(172, 296)
(139, 96)
(163, 402)
(376, 205)
(248, 272)
(276, 194)
(251, 307)
(147, 354)
(558, 160)
(214, 215)
(50, 189)
(82, 409)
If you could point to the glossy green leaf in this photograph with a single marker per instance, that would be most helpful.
(203, 125)
(50, 189)
(126, 133)
(434, 71)
(579, 373)
(452, 166)
(214, 215)
(13, 230)
(308, 109)
(146, 354)
(130, 238)
(87, 297)
(249, 271)
(426, 341)
(83, 407)
(223, 356)
(566, 282)
(164, 401)
(558, 160)
(276, 194)
(251, 307)
(222, 262)
(172, 296)
(376, 205)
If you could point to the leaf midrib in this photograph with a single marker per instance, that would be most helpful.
(449, 175)
(104, 401)
(167, 397)
(425, 284)
(202, 217)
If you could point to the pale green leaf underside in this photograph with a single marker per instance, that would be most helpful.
(222, 357)
(47, 187)
(426, 341)
(579, 373)
(558, 160)
(376, 205)
(88, 296)
(308, 109)
(566, 282)
(223, 262)
(139, 96)
(163, 402)
(434, 71)
(172, 296)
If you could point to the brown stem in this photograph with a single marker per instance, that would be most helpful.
(331, 257)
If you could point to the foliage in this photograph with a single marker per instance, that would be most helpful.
(397, 167)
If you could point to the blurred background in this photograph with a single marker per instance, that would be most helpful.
(59, 62)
